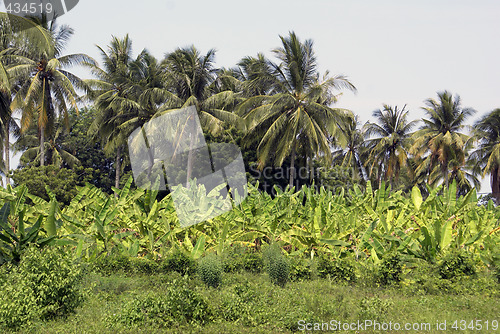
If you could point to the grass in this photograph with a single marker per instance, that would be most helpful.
(249, 303)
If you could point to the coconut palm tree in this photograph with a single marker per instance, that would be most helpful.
(351, 149)
(462, 169)
(56, 154)
(192, 77)
(295, 111)
(18, 36)
(46, 87)
(487, 155)
(440, 138)
(109, 91)
(389, 148)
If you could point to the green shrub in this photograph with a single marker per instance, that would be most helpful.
(210, 269)
(232, 259)
(238, 258)
(277, 265)
(180, 262)
(144, 265)
(253, 261)
(390, 270)
(456, 264)
(179, 305)
(44, 285)
(113, 263)
(338, 269)
(301, 268)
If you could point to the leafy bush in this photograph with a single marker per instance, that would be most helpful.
(144, 265)
(61, 181)
(456, 264)
(390, 269)
(110, 264)
(180, 262)
(238, 258)
(253, 261)
(277, 265)
(179, 305)
(301, 268)
(210, 270)
(45, 284)
(339, 269)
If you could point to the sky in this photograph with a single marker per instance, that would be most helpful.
(394, 52)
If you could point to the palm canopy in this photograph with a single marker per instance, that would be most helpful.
(18, 37)
(46, 88)
(192, 78)
(391, 142)
(115, 96)
(487, 155)
(295, 109)
(441, 137)
(351, 147)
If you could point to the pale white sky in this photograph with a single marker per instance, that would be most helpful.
(395, 52)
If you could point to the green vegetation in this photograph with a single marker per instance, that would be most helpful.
(342, 220)
(130, 300)
(378, 250)
(45, 285)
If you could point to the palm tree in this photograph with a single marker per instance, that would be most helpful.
(462, 169)
(389, 148)
(440, 138)
(193, 80)
(351, 147)
(18, 36)
(295, 111)
(48, 87)
(109, 91)
(55, 146)
(487, 134)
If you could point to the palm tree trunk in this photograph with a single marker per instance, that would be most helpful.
(117, 169)
(292, 166)
(190, 154)
(7, 154)
(42, 147)
(445, 173)
(190, 160)
(495, 184)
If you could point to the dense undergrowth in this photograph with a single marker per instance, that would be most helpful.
(125, 264)
(177, 293)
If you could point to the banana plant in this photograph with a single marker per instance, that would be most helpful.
(16, 231)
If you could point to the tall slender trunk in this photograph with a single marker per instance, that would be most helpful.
(118, 168)
(190, 160)
(292, 166)
(495, 184)
(7, 154)
(445, 172)
(190, 154)
(42, 146)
